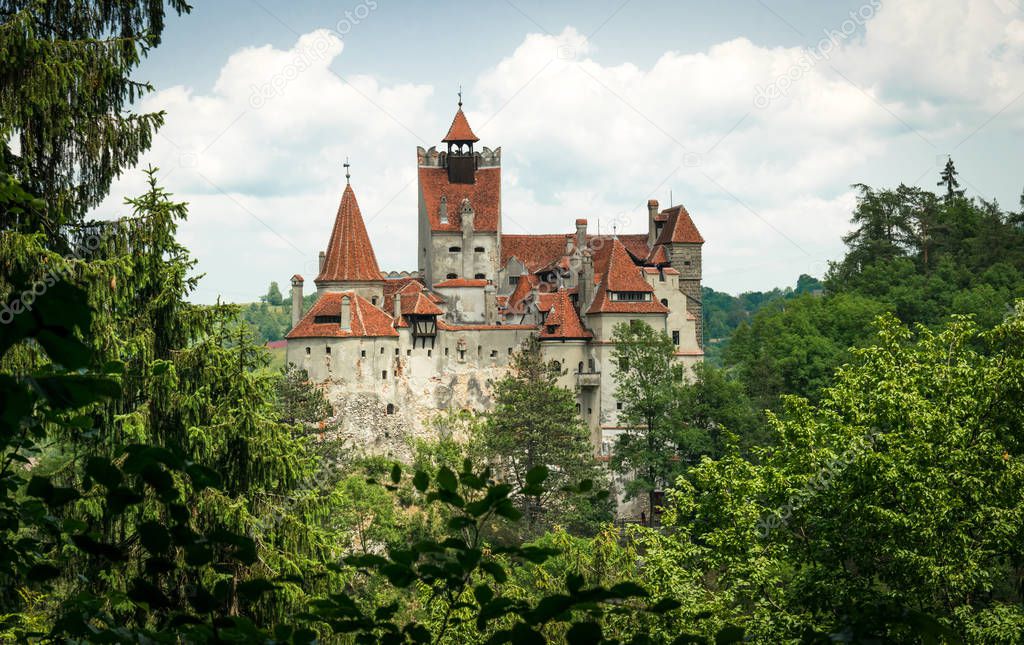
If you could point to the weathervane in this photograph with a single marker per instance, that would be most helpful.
(460, 95)
(347, 175)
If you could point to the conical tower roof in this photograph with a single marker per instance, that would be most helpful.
(349, 256)
(460, 130)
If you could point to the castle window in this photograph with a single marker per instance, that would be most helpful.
(664, 301)
(686, 263)
(429, 352)
(551, 329)
(307, 351)
(579, 369)
(408, 352)
(451, 276)
(454, 249)
(479, 249)
(618, 405)
(384, 375)
(396, 351)
(390, 409)
(513, 280)
(590, 365)
(480, 276)
(363, 353)
(509, 351)
(494, 353)
(630, 296)
(661, 274)
(445, 351)
(327, 350)
(675, 336)
(579, 408)
(590, 411)
(373, 301)
(462, 354)
(381, 350)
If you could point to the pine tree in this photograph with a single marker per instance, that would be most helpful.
(535, 423)
(948, 179)
(646, 382)
(66, 94)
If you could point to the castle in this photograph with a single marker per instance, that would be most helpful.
(394, 350)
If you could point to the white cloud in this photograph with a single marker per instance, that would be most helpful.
(259, 156)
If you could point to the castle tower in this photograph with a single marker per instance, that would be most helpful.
(459, 207)
(349, 264)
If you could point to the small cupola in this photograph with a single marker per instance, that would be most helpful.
(460, 158)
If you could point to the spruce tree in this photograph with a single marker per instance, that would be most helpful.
(948, 179)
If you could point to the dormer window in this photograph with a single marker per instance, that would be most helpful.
(630, 296)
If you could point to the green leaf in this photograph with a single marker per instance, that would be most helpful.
(446, 479)
(103, 471)
(536, 475)
(154, 536)
(396, 474)
(421, 480)
(584, 634)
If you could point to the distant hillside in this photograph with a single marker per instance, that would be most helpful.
(723, 312)
(272, 321)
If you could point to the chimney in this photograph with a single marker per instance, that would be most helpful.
(468, 256)
(444, 209)
(397, 309)
(323, 258)
(581, 235)
(490, 304)
(346, 312)
(586, 288)
(296, 299)
(652, 212)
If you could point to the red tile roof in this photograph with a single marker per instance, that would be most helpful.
(442, 325)
(367, 320)
(678, 228)
(399, 285)
(297, 278)
(564, 319)
(535, 251)
(484, 196)
(658, 255)
(523, 289)
(460, 282)
(460, 130)
(546, 301)
(621, 274)
(349, 254)
(419, 304)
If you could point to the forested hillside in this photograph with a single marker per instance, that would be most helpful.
(855, 472)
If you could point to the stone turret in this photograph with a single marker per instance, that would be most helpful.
(296, 299)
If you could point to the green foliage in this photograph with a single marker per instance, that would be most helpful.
(892, 508)
(268, 322)
(273, 296)
(535, 424)
(646, 381)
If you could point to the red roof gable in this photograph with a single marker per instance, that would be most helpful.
(678, 228)
(367, 320)
(621, 274)
(484, 196)
(563, 322)
(460, 282)
(394, 286)
(419, 304)
(349, 254)
(460, 130)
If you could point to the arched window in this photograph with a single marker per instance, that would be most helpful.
(580, 369)
(664, 301)
(454, 249)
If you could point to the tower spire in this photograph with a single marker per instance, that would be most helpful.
(347, 175)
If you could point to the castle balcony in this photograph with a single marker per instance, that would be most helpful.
(588, 379)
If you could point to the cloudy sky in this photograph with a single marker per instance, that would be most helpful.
(757, 115)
